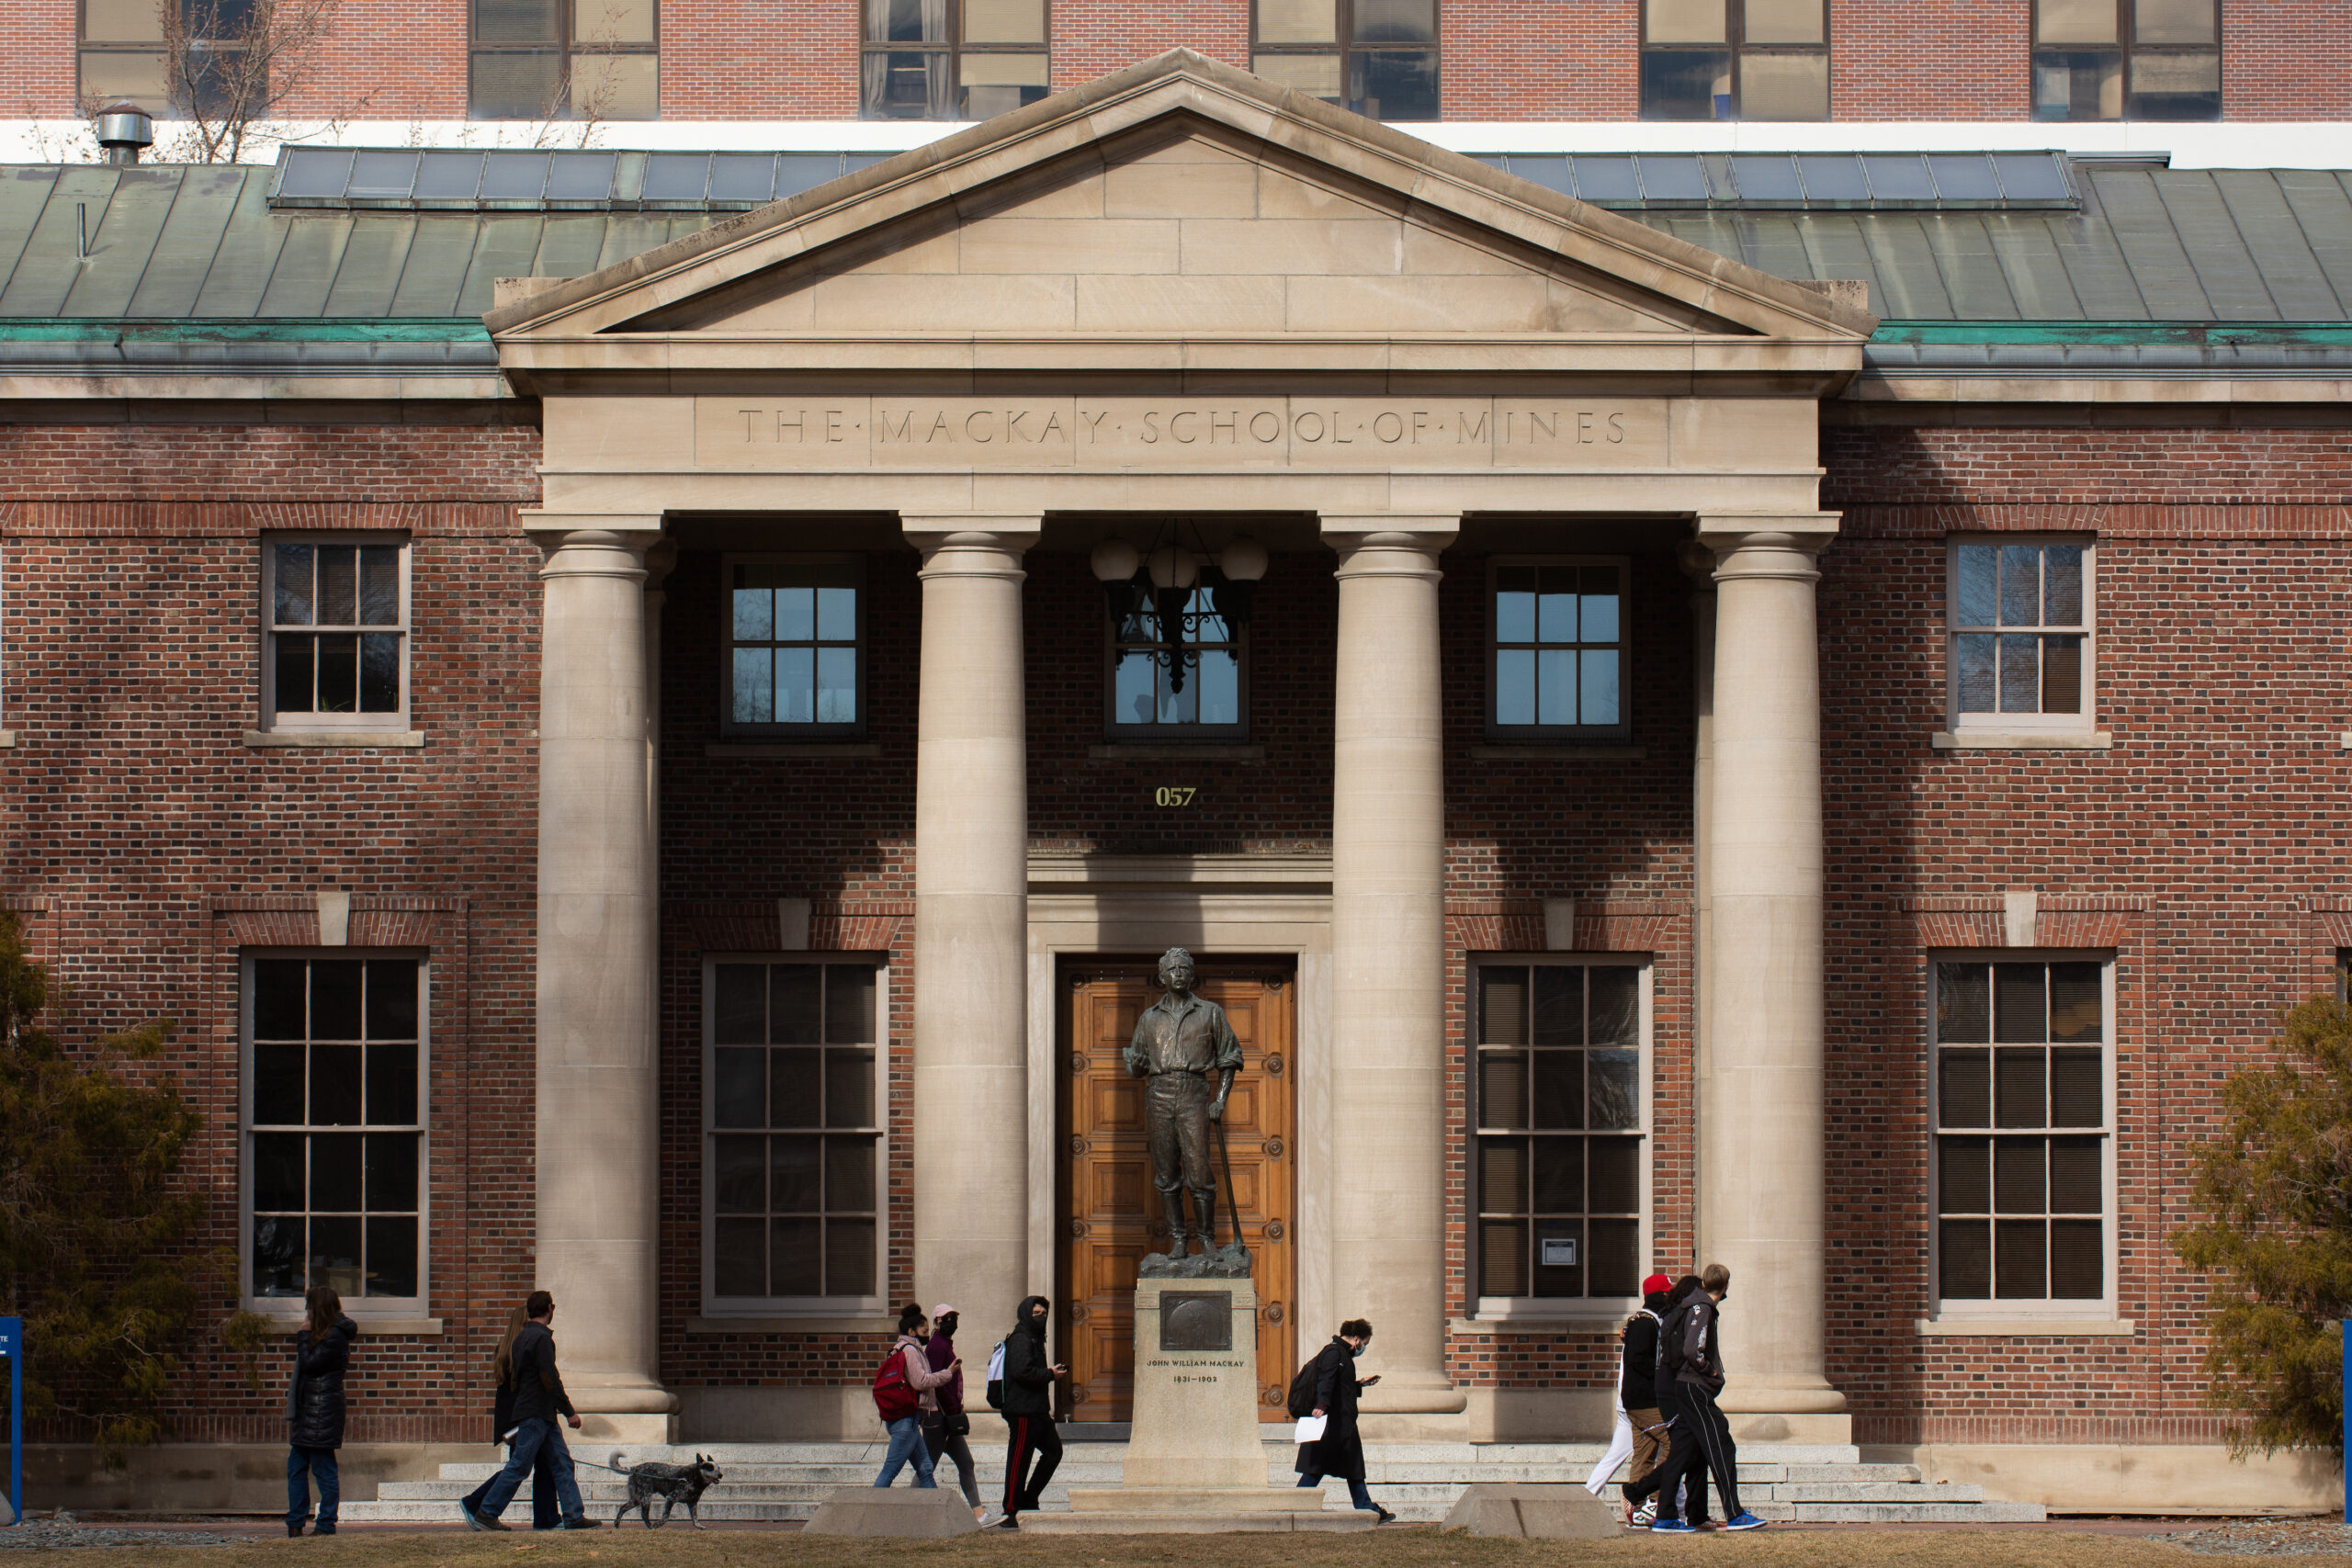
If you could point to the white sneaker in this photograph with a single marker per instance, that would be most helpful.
(1643, 1517)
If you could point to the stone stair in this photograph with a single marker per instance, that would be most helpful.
(1420, 1481)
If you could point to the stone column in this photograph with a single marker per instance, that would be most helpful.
(971, 1075)
(598, 1092)
(1761, 1131)
(1699, 563)
(1388, 1240)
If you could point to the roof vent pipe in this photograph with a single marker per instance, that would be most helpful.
(125, 131)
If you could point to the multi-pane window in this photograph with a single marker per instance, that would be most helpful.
(792, 645)
(1558, 645)
(1735, 59)
(338, 616)
(335, 1126)
(123, 53)
(794, 1131)
(2022, 1130)
(953, 59)
(1181, 677)
(566, 60)
(2020, 634)
(1378, 58)
(1558, 1145)
(2127, 60)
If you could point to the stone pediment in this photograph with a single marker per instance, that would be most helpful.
(1185, 204)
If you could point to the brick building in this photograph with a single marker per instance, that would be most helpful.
(1779, 711)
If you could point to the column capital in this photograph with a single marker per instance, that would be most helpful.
(1389, 544)
(1779, 545)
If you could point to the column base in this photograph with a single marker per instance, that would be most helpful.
(624, 1412)
(1427, 1410)
(1791, 1427)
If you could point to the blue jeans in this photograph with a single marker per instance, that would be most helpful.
(543, 1512)
(905, 1443)
(533, 1437)
(1357, 1494)
(301, 1464)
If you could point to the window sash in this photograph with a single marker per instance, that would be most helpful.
(358, 1302)
(815, 646)
(948, 80)
(1492, 1222)
(1730, 55)
(1532, 652)
(2085, 630)
(1358, 64)
(779, 1223)
(578, 53)
(282, 640)
(1119, 679)
(2002, 1208)
(2066, 44)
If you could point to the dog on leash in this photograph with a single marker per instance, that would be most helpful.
(673, 1484)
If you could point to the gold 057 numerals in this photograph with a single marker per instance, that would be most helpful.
(1174, 794)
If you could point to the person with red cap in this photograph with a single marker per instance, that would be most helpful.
(1640, 1429)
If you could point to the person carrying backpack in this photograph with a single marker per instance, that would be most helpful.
(1024, 1389)
(1680, 1436)
(1339, 1450)
(1641, 1429)
(905, 1387)
(1697, 1355)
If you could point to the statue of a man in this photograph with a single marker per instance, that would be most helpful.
(1182, 1042)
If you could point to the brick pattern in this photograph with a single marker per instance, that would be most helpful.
(1503, 59)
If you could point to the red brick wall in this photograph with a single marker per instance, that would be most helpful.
(1504, 59)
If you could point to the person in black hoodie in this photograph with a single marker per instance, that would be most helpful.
(1683, 1460)
(1028, 1395)
(1339, 1450)
(544, 1516)
(1694, 1352)
(1637, 1391)
(538, 1399)
(314, 1410)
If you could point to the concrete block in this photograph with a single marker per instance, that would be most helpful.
(920, 1513)
(1533, 1513)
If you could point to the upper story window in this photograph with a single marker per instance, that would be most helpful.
(2024, 1122)
(1557, 634)
(2020, 627)
(953, 59)
(123, 53)
(335, 1127)
(1180, 679)
(1735, 59)
(2127, 60)
(794, 632)
(1561, 1107)
(566, 60)
(794, 1123)
(1378, 58)
(337, 634)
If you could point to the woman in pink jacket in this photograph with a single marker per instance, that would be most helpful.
(906, 1432)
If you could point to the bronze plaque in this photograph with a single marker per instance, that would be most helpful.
(1196, 1320)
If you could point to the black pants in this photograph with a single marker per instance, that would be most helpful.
(1032, 1438)
(1709, 1441)
(1683, 1442)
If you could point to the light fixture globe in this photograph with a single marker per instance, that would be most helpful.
(1173, 566)
(1242, 561)
(1116, 560)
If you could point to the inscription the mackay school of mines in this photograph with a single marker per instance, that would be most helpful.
(1115, 432)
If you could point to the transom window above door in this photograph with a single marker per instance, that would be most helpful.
(794, 631)
(1556, 632)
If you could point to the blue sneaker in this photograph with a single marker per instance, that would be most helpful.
(1672, 1526)
(1746, 1521)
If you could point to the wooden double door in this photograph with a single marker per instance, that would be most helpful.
(1110, 1213)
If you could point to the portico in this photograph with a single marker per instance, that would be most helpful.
(1179, 292)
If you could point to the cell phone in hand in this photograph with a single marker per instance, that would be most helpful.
(1370, 1381)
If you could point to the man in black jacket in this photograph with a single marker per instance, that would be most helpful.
(1028, 1396)
(1694, 1352)
(538, 1399)
(1638, 1395)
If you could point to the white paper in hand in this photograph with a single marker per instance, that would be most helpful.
(1310, 1428)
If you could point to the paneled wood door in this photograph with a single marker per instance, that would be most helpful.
(1110, 1212)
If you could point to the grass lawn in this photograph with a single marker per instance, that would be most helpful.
(1412, 1547)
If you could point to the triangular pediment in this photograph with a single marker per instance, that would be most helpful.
(1178, 200)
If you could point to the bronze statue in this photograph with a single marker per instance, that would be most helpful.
(1182, 1042)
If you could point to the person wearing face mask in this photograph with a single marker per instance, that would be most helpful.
(944, 1429)
(1339, 1450)
(1028, 1394)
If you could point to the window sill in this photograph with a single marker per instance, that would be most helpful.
(1601, 1316)
(1175, 751)
(828, 1322)
(2023, 741)
(375, 1327)
(333, 739)
(789, 749)
(2026, 1326)
(1558, 751)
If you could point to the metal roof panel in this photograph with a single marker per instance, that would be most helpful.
(174, 276)
(370, 274)
(121, 244)
(2142, 228)
(23, 193)
(306, 267)
(52, 262)
(2277, 244)
(248, 254)
(2215, 249)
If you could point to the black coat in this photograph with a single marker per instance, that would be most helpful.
(538, 1388)
(1339, 1451)
(1028, 1371)
(314, 1397)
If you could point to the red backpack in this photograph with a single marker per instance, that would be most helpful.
(893, 1395)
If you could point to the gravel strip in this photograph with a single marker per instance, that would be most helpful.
(2270, 1537)
(48, 1535)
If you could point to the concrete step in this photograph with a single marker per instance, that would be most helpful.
(1908, 1492)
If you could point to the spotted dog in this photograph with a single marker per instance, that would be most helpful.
(673, 1484)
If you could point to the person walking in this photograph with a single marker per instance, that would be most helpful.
(544, 1516)
(1339, 1450)
(1640, 1427)
(539, 1400)
(1679, 1437)
(1695, 1352)
(945, 1429)
(1028, 1395)
(314, 1410)
(912, 1368)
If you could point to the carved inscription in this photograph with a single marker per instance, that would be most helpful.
(1181, 432)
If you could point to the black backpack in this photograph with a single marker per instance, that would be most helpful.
(1303, 1387)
